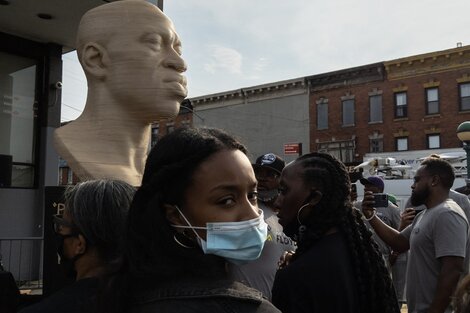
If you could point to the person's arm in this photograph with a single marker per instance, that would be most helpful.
(451, 268)
(406, 218)
(389, 235)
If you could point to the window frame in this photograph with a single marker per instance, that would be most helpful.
(428, 102)
(381, 145)
(381, 109)
(323, 104)
(461, 98)
(428, 137)
(28, 49)
(403, 107)
(343, 102)
(397, 139)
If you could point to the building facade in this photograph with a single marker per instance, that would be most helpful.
(413, 103)
(265, 118)
(183, 119)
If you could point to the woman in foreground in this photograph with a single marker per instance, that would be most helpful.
(195, 211)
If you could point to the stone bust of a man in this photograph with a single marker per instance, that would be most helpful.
(131, 56)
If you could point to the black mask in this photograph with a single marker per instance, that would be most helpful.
(67, 265)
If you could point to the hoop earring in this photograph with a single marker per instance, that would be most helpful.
(180, 243)
(300, 210)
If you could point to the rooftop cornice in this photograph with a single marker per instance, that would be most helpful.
(347, 77)
(431, 55)
(264, 89)
(370, 72)
(433, 62)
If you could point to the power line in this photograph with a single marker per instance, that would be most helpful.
(74, 108)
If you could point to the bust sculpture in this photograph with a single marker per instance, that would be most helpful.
(131, 56)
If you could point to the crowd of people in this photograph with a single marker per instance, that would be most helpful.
(208, 231)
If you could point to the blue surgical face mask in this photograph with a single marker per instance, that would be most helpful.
(237, 242)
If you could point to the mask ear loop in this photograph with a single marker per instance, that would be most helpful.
(189, 224)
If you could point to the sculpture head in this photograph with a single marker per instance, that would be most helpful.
(130, 49)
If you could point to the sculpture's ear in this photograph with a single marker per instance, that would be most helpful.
(94, 60)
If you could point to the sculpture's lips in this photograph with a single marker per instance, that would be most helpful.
(177, 83)
(176, 78)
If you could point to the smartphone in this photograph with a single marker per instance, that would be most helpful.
(353, 188)
(380, 200)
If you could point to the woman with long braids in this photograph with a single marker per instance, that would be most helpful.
(337, 267)
(195, 211)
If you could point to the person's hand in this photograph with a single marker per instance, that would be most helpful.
(393, 257)
(368, 205)
(285, 259)
(406, 218)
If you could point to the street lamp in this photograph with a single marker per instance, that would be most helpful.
(463, 132)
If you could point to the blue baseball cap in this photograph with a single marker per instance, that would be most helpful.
(373, 180)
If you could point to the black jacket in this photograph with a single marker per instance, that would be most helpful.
(207, 296)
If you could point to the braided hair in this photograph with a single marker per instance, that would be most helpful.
(335, 210)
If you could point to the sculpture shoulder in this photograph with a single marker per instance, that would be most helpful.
(62, 144)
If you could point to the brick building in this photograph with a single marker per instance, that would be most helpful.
(183, 119)
(412, 103)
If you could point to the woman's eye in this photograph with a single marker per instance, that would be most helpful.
(227, 201)
(281, 191)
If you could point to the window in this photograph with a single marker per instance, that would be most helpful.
(464, 96)
(322, 115)
(154, 138)
(18, 118)
(342, 150)
(170, 128)
(348, 112)
(432, 101)
(375, 108)
(434, 141)
(376, 145)
(402, 143)
(401, 107)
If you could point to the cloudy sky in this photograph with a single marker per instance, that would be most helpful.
(230, 44)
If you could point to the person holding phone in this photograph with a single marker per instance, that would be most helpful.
(437, 238)
(386, 211)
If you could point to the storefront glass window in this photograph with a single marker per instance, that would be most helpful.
(18, 113)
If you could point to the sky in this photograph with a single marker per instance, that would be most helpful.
(231, 44)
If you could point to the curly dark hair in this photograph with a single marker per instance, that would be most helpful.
(441, 168)
(151, 253)
(330, 176)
